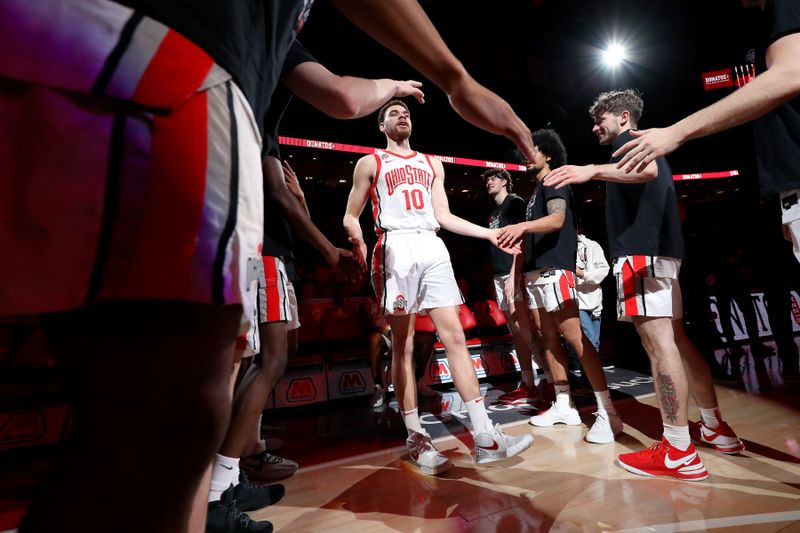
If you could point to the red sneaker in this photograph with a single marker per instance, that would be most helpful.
(520, 395)
(661, 459)
(722, 437)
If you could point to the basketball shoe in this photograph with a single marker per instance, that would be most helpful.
(425, 455)
(493, 444)
(267, 467)
(605, 429)
(722, 437)
(556, 415)
(225, 516)
(520, 395)
(661, 459)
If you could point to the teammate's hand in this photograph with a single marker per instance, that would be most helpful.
(410, 88)
(481, 107)
(346, 265)
(291, 180)
(646, 146)
(509, 236)
(359, 251)
(569, 175)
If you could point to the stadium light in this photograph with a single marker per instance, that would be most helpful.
(614, 55)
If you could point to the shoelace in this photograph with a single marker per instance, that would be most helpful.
(234, 512)
(268, 458)
(244, 480)
(654, 451)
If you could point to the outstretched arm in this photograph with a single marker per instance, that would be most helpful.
(574, 174)
(451, 222)
(403, 27)
(776, 86)
(553, 221)
(346, 97)
(359, 193)
(275, 187)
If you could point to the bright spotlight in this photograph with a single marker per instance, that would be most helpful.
(614, 55)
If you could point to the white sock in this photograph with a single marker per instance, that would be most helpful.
(527, 378)
(224, 474)
(678, 436)
(711, 417)
(478, 415)
(412, 421)
(562, 397)
(604, 402)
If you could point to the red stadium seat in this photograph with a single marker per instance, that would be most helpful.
(424, 323)
(311, 313)
(488, 314)
(468, 324)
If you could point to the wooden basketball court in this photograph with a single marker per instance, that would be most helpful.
(563, 483)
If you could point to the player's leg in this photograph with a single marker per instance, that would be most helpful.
(151, 378)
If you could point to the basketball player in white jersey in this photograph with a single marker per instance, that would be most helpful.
(411, 272)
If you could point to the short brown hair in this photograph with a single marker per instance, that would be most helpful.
(616, 102)
(500, 173)
(387, 105)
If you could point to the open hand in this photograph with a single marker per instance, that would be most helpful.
(646, 146)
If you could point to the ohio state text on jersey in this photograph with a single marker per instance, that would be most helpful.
(401, 192)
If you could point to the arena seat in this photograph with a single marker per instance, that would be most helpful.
(343, 331)
(469, 325)
(491, 322)
(424, 323)
(310, 333)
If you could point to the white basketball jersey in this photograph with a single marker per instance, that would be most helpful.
(401, 192)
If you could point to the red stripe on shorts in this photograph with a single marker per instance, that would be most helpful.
(639, 264)
(176, 71)
(173, 209)
(374, 194)
(377, 260)
(272, 282)
(563, 286)
(629, 289)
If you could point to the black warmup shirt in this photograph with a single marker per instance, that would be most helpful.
(277, 232)
(777, 134)
(556, 249)
(642, 218)
(248, 38)
(511, 211)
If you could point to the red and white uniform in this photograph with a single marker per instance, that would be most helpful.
(411, 269)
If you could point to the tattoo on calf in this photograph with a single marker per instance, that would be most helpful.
(557, 206)
(668, 398)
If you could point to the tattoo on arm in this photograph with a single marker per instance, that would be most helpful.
(557, 206)
(668, 398)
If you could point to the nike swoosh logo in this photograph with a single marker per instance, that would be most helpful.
(669, 463)
(707, 433)
(494, 446)
(226, 467)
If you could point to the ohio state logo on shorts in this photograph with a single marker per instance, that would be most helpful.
(399, 305)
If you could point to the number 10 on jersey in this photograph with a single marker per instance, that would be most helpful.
(414, 197)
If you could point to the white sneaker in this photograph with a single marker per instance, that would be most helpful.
(493, 444)
(425, 390)
(556, 415)
(378, 397)
(425, 455)
(605, 429)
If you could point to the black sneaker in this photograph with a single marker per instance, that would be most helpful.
(225, 517)
(266, 467)
(250, 497)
